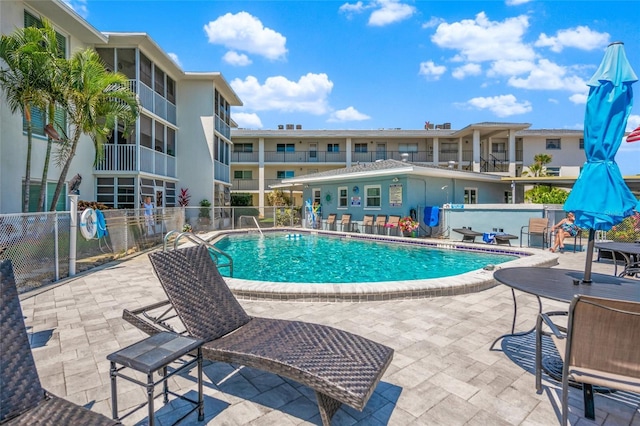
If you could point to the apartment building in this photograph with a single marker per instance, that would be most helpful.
(180, 140)
(261, 158)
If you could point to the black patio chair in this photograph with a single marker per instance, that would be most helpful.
(341, 367)
(22, 399)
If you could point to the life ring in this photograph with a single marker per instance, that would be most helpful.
(88, 223)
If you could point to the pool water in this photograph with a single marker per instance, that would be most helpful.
(324, 259)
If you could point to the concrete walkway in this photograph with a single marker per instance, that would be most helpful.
(443, 372)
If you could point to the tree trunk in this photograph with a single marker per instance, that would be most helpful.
(65, 170)
(27, 173)
(45, 169)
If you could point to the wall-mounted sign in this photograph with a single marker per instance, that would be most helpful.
(356, 190)
(395, 195)
(356, 202)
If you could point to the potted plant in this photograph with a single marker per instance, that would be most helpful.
(408, 226)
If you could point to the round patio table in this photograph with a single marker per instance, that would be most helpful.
(561, 285)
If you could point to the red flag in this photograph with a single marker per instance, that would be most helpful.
(634, 136)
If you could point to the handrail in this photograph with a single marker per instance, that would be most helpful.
(195, 239)
(254, 219)
(166, 239)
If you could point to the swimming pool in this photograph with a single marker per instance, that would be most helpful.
(309, 258)
(469, 282)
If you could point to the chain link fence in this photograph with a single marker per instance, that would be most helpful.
(38, 243)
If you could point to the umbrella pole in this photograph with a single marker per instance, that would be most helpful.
(587, 266)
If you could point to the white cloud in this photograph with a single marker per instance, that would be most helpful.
(484, 40)
(553, 101)
(247, 120)
(347, 114)
(308, 94)
(350, 9)
(633, 122)
(237, 59)
(390, 12)
(174, 58)
(79, 6)
(510, 68)
(579, 98)
(581, 37)
(244, 32)
(548, 75)
(465, 70)
(501, 106)
(433, 22)
(431, 71)
(385, 12)
(516, 2)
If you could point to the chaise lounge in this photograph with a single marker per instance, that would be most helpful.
(22, 399)
(341, 367)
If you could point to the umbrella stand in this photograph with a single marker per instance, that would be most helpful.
(589, 259)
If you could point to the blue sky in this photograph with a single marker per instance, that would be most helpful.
(392, 63)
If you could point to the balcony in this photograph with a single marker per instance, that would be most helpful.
(221, 171)
(245, 185)
(304, 157)
(124, 158)
(154, 102)
(244, 157)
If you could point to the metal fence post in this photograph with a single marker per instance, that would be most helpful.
(56, 254)
(73, 234)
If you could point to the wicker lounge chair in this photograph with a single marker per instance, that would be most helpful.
(598, 347)
(22, 399)
(468, 235)
(393, 225)
(342, 368)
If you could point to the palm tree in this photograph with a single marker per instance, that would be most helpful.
(538, 168)
(28, 53)
(94, 99)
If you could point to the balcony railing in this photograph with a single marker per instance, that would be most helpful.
(245, 185)
(244, 157)
(153, 101)
(221, 171)
(123, 158)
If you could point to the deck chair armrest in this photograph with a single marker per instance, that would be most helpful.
(151, 324)
(558, 331)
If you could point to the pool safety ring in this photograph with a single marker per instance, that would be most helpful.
(88, 223)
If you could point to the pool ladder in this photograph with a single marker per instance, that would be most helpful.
(254, 221)
(215, 251)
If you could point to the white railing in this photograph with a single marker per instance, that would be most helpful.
(118, 158)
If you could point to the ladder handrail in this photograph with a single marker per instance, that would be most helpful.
(195, 239)
(254, 219)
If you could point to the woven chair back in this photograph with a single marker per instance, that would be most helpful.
(393, 220)
(198, 292)
(367, 220)
(331, 219)
(345, 219)
(20, 388)
(605, 334)
(381, 220)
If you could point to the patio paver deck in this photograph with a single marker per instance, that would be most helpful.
(442, 374)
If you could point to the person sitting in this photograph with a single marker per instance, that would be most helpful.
(563, 229)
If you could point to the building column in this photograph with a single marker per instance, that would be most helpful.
(349, 150)
(261, 185)
(512, 153)
(436, 151)
(476, 151)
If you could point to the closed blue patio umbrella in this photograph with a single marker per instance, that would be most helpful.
(600, 198)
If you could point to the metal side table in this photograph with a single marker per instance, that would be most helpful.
(149, 356)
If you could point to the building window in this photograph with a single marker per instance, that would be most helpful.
(448, 147)
(499, 147)
(553, 143)
(408, 147)
(286, 147)
(333, 147)
(171, 142)
(508, 197)
(145, 131)
(243, 174)
(360, 147)
(553, 171)
(343, 195)
(145, 70)
(171, 90)
(581, 143)
(284, 174)
(471, 196)
(372, 196)
(243, 147)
